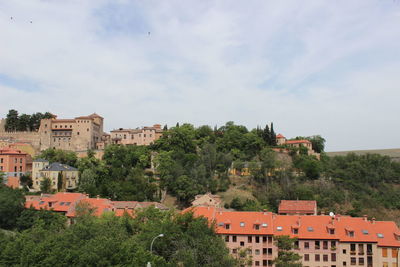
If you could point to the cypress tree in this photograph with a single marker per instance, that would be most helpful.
(273, 135)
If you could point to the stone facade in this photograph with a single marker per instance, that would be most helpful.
(78, 134)
(141, 137)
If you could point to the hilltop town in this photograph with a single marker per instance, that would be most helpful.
(255, 188)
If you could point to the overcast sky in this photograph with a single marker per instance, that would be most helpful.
(311, 67)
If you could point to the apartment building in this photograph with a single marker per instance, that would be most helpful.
(13, 165)
(322, 241)
(141, 137)
(42, 169)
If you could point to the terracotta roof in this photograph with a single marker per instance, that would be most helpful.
(300, 206)
(66, 203)
(11, 151)
(384, 233)
(298, 142)
(280, 136)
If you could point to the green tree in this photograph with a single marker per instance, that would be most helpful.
(286, 256)
(59, 155)
(45, 185)
(12, 120)
(11, 205)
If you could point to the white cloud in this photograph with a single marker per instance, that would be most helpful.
(311, 67)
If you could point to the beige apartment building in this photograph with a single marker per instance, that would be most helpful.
(322, 241)
(141, 137)
(42, 169)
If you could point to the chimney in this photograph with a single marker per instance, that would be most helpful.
(373, 220)
(265, 211)
(338, 217)
(98, 197)
(322, 213)
(365, 218)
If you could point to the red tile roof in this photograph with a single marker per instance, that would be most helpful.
(297, 206)
(280, 136)
(308, 226)
(298, 142)
(66, 203)
(11, 151)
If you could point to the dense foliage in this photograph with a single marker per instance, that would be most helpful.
(11, 206)
(25, 122)
(118, 241)
(188, 161)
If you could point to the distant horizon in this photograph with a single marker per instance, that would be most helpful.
(312, 68)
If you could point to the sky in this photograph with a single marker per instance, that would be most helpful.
(311, 67)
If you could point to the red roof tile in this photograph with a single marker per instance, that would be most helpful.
(300, 206)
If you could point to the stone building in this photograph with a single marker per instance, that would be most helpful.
(141, 137)
(42, 169)
(77, 134)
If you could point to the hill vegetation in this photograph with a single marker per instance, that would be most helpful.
(190, 161)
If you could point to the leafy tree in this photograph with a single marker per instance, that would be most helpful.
(45, 185)
(286, 257)
(87, 182)
(49, 219)
(11, 205)
(12, 120)
(61, 156)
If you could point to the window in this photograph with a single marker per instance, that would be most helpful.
(227, 238)
(325, 244)
(360, 261)
(270, 251)
(325, 257)
(227, 226)
(249, 239)
(317, 245)
(257, 239)
(77, 133)
(310, 229)
(279, 228)
(264, 251)
(257, 252)
(87, 129)
(20, 160)
(394, 253)
(257, 263)
(264, 239)
(241, 243)
(317, 257)
(360, 249)
(295, 231)
(257, 227)
(365, 232)
(344, 251)
(353, 261)
(333, 244)
(352, 248)
(369, 249)
(264, 225)
(234, 238)
(306, 245)
(379, 235)
(242, 224)
(344, 263)
(332, 231)
(1, 160)
(384, 252)
(15, 160)
(234, 251)
(333, 257)
(15, 168)
(306, 257)
(265, 262)
(351, 233)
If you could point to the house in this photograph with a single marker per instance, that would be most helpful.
(207, 200)
(13, 164)
(301, 207)
(69, 204)
(321, 240)
(42, 169)
(140, 136)
(282, 141)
